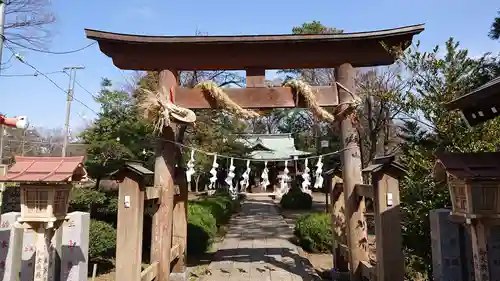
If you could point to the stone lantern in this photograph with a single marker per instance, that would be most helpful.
(473, 180)
(45, 184)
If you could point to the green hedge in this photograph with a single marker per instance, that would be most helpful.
(204, 218)
(314, 232)
(295, 199)
(102, 240)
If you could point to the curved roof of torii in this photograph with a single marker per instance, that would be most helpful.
(141, 52)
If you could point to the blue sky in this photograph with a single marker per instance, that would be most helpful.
(467, 21)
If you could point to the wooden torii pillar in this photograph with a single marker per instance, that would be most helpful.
(255, 54)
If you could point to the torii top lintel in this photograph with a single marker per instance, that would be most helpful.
(361, 49)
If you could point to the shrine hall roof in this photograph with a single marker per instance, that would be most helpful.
(271, 146)
(286, 51)
(45, 169)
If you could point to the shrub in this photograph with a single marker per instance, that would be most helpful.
(314, 232)
(102, 240)
(220, 206)
(204, 218)
(202, 228)
(295, 199)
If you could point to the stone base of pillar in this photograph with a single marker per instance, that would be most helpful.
(179, 276)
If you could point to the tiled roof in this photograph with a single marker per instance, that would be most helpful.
(46, 169)
(271, 146)
(480, 165)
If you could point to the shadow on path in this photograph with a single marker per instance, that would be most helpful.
(257, 247)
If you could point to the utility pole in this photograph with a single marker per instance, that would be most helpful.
(69, 99)
(2, 24)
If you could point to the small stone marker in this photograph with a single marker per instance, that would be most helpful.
(9, 247)
(75, 247)
(74, 256)
(494, 253)
(445, 243)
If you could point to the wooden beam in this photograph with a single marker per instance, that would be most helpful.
(255, 98)
(180, 228)
(150, 272)
(364, 190)
(368, 271)
(152, 193)
(344, 250)
(129, 230)
(164, 178)
(255, 78)
(351, 176)
(389, 240)
(175, 252)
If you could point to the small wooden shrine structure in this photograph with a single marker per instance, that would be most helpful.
(255, 54)
(45, 184)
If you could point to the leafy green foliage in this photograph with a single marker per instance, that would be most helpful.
(315, 27)
(202, 228)
(102, 237)
(495, 28)
(83, 198)
(118, 133)
(204, 218)
(428, 129)
(314, 232)
(220, 207)
(295, 199)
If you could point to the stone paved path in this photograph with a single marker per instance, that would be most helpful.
(256, 247)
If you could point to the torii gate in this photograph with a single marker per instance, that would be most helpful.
(255, 54)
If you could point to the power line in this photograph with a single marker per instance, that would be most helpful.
(8, 60)
(31, 74)
(48, 78)
(81, 86)
(49, 52)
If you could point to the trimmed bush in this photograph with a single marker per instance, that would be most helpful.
(204, 218)
(314, 232)
(295, 199)
(220, 206)
(102, 240)
(202, 228)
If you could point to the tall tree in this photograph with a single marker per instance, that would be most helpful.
(381, 93)
(27, 21)
(117, 134)
(436, 80)
(495, 28)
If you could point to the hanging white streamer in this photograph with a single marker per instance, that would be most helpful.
(190, 165)
(246, 175)
(229, 180)
(318, 183)
(284, 180)
(213, 172)
(307, 178)
(265, 177)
